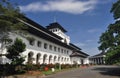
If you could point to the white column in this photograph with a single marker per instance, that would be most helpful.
(47, 60)
(41, 60)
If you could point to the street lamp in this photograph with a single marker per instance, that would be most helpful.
(59, 62)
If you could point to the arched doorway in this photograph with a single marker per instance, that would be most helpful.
(50, 59)
(55, 57)
(30, 57)
(38, 58)
(44, 58)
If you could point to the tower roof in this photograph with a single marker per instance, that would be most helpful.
(56, 25)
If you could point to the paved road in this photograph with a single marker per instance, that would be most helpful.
(90, 72)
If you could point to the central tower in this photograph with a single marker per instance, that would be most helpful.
(57, 29)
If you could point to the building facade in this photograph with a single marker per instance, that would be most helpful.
(98, 59)
(46, 45)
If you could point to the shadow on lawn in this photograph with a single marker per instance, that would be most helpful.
(108, 70)
(14, 76)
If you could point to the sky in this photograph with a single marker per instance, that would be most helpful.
(85, 20)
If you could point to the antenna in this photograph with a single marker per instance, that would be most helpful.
(55, 20)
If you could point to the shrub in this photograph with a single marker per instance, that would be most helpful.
(50, 66)
(30, 67)
(42, 67)
(57, 65)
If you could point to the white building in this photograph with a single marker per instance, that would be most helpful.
(47, 45)
(98, 58)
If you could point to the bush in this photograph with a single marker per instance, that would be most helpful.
(42, 67)
(51, 66)
(30, 67)
(9, 69)
(36, 66)
(57, 65)
(65, 66)
(20, 69)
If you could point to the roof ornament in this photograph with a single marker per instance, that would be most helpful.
(55, 18)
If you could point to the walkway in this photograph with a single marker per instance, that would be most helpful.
(90, 72)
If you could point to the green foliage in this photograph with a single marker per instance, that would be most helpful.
(113, 56)
(67, 66)
(50, 66)
(15, 55)
(31, 67)
(31, 40)
(116, 9)
(110, 39)
(15, 50)
(8, 17)
(7, 69)
(57, 66)
(42, 67)
(9, 14)
(110, 43)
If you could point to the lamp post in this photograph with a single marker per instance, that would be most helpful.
(60, 63)
(59, 66)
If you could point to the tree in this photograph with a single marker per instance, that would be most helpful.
(14, 52)
(116, 10)
(110, 39)
(15, 55)
(9, 14)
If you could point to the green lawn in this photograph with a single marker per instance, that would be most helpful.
(56, 70)
(50, 72)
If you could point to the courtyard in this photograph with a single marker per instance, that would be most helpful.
(100, 71)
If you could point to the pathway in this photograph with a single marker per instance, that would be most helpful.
(90, 72)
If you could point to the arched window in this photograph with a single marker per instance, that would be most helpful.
(50, 47)
(31, 40)
(67, 52)
(45, 45)
(64, 51)
(58, 49)
(61, 50)
(39, 44)
(55, 48)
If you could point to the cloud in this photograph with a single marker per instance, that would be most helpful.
(67, 6)
(88, 47)
(93, 30)
(89, 41)
(80, 44)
